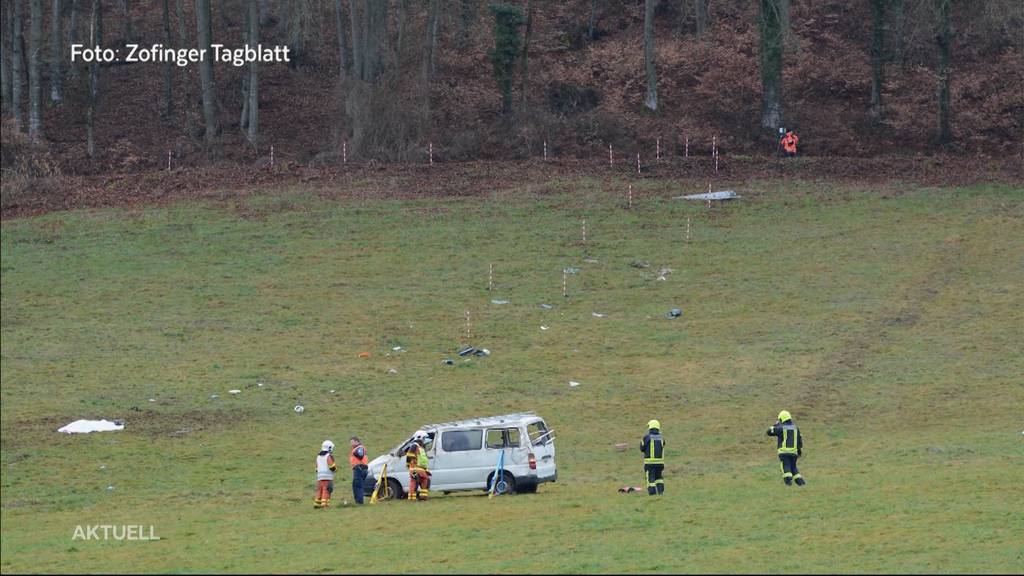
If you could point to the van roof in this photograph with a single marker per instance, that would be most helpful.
(486, 420)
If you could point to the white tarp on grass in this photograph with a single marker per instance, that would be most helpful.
(722, 195)
(86, 426)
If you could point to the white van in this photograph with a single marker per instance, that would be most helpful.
(463, 455)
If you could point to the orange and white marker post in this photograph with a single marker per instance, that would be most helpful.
(490, 277)
(610, 161)
(168, 160)
(271, 156)
(686, 150)
(658, 150)
(430, 152)
(630, 194)
(687, 229)
(344, 151)
(545, 149)
(469, 330)
(637, 162)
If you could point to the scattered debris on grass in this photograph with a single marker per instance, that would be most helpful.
(621, 446)
(640, 264)
(235, 391)
(545, 327)
(364, 354)
(299, 409)
(573, 383)
(499, 301)
(87, 426)
(630, 489)
(392, 371)
(662, 272)
(546, 306)
(708, 196)
(214, 396)
(674, 313)
(590, 260)
(448, 362)
(571, 270)
(598, 315)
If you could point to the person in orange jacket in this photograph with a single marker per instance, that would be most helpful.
(789, 142)
(358, 460)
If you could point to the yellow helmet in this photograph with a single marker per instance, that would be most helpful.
(784, 416)
(654, 424)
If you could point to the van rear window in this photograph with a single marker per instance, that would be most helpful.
(461, 440)
(538, 433)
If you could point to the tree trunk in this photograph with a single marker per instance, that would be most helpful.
(55, 52)
(126, 24)
(525, 66)
(73, 36)
(203, 34)
(168, 72)
(17, 66)
(943, 38)
(265, 15)
(700, 9)
(592, 21)
(254, 85)
(5, 56)
(877, 50)
(186, 86)
(402, 21)
(35, 78)
(467, 11)
(95, 38)
(343, 56)
(357, 15)
(899, 19)
(430, 40)
(771, 23)
(374, 39)
(651, 99)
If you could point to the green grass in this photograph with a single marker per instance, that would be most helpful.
(888, 321)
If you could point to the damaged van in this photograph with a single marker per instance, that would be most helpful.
(464, 454)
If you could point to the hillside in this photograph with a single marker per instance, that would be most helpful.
(582, 94)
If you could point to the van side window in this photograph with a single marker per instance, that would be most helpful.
(536, 430)
(503, 438)
(461, 440)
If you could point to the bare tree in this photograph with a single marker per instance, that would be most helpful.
(771, 24)
(35, 77)
(877, 62)
(56, 56)
(17, 66)
(430, 41)
(899, 18)
(651, 98)
(343, 55)
(126, 23)
(375, 21)
(5, 55)
(168, 72)
(943, 38)
(186, 90)
(73, 36)
(357, 17)
(402, 21)
(701, 15)
(467, 12)
(203, 34)
(95, 37)
(524, 69)
(254, 85)
(592, 21)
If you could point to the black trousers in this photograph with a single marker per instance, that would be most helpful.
(655, 483)
(789, 469)
(358, 479)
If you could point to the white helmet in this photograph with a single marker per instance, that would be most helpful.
(327, 446)
(419, 435)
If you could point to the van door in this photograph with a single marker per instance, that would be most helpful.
(457, 455)
(542, 443)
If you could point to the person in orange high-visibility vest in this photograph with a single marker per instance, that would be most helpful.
(358, 460)
(789, 142)
(416, 460)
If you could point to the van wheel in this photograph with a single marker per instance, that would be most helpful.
(526, 489)
(505, 486)
(394, 490)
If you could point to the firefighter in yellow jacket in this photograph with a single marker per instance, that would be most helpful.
(416, 460)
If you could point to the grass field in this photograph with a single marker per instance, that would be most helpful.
(889, 321)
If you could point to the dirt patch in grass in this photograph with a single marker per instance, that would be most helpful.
(228, 183)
